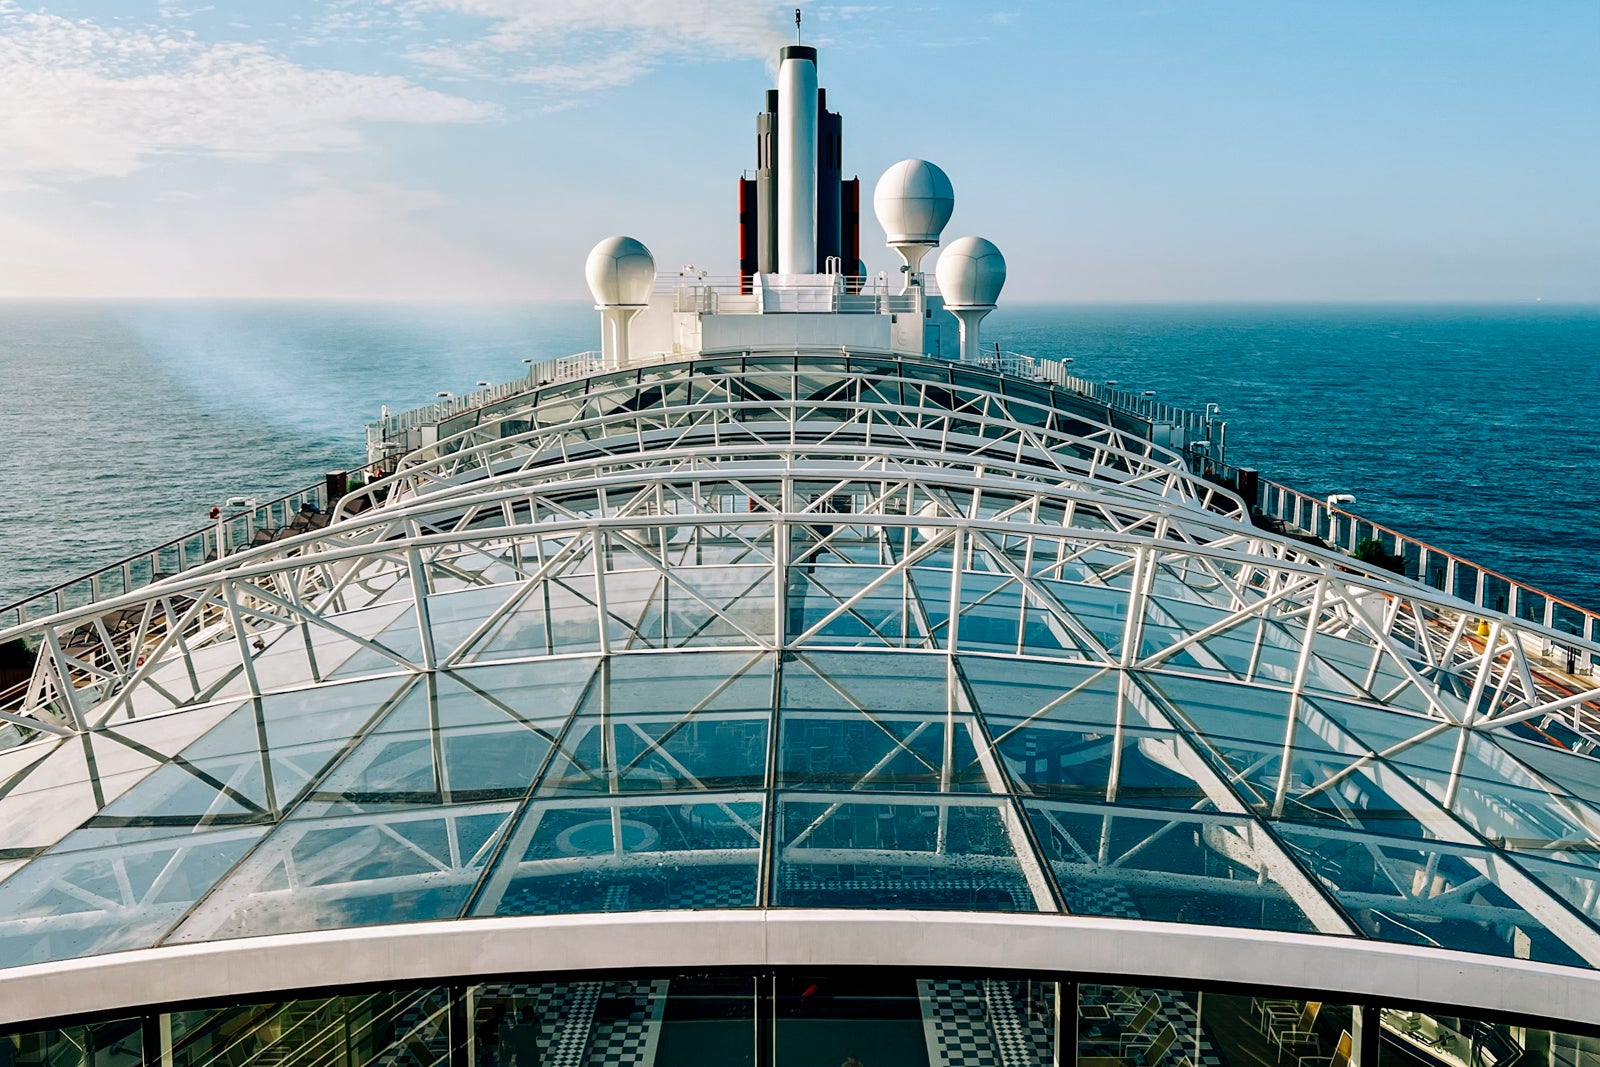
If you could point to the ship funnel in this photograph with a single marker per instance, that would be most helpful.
(971, 273)
(797, 160)
(913, 201)
(621, 273)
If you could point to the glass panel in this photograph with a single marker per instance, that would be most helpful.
(556, 616)
(827, 1019)
(1130, 1026)
(1010, 691)
(1243, 1031)
(1429, 893)
(222, 779)
(394, 626)
(1506, 803)
(888, 752)
(314, 874)
(479, 734)
(105, 1043)
(638, 855)
(886, 615)
(79, 903)
(1441, 1038)
(673, 723)
(455, 615)
(1575, 772)
(1222, 712)
(48, 802)
(1098, 764)
(1579, 886)
(934, 853)
(1212, 869)
(696, 1019)
(409, 1027)
(1056, 729)
(696, 607)
(879, 682)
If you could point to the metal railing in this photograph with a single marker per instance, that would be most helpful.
(843, 295)
(733, 283)
(1420, 561)
(1477, 584)
(1202, 426)
(390, 426)
(232, 531)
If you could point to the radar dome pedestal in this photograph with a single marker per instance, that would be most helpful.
(913, 201)
(621, 274)
(971, 273)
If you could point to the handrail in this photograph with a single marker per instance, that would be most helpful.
(182, 552)
(666, 284)
(1481, 586)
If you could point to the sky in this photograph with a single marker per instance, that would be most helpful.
(1114, 150)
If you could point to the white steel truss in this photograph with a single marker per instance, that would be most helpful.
(784, 516)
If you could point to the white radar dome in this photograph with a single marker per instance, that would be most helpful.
(621, 273)
(913, 201)
(971, 273)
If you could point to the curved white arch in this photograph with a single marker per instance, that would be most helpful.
(1165, 953)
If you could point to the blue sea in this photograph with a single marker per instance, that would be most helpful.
(1471, 427)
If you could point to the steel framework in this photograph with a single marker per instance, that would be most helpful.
(1018, 573)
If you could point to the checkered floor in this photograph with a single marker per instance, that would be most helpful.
(985, 1023)
(627, 1033)
(799, 887)
(587, 1024)
(717, 887)
(1098, 898)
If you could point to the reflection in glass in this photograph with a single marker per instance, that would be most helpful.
(101, 1043)
(1212, 869)
(856, 1021)
(819, 1017)
(360, 870)
(1445, 896)
(409, 1027)
(104, 899)
(935, 853)
(1445, 1039)
(633, 855)
(474, 736)
(692, 1019)
(654, 724)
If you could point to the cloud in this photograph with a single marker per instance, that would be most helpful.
(85, 100)
(583, 45)
(316, 237)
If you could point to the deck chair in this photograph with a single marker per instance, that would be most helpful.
(1262, 1009)
(1150, 1055)
(1132, 1030)
(1157, 1049)
(1141, 1019)
(1340, 1057)
(1281, 1014)
(1301, 1033)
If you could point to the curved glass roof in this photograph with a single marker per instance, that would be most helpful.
(794, 632)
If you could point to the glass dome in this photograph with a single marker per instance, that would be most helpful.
(794, 632)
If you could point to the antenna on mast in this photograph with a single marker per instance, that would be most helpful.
(796, 25)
